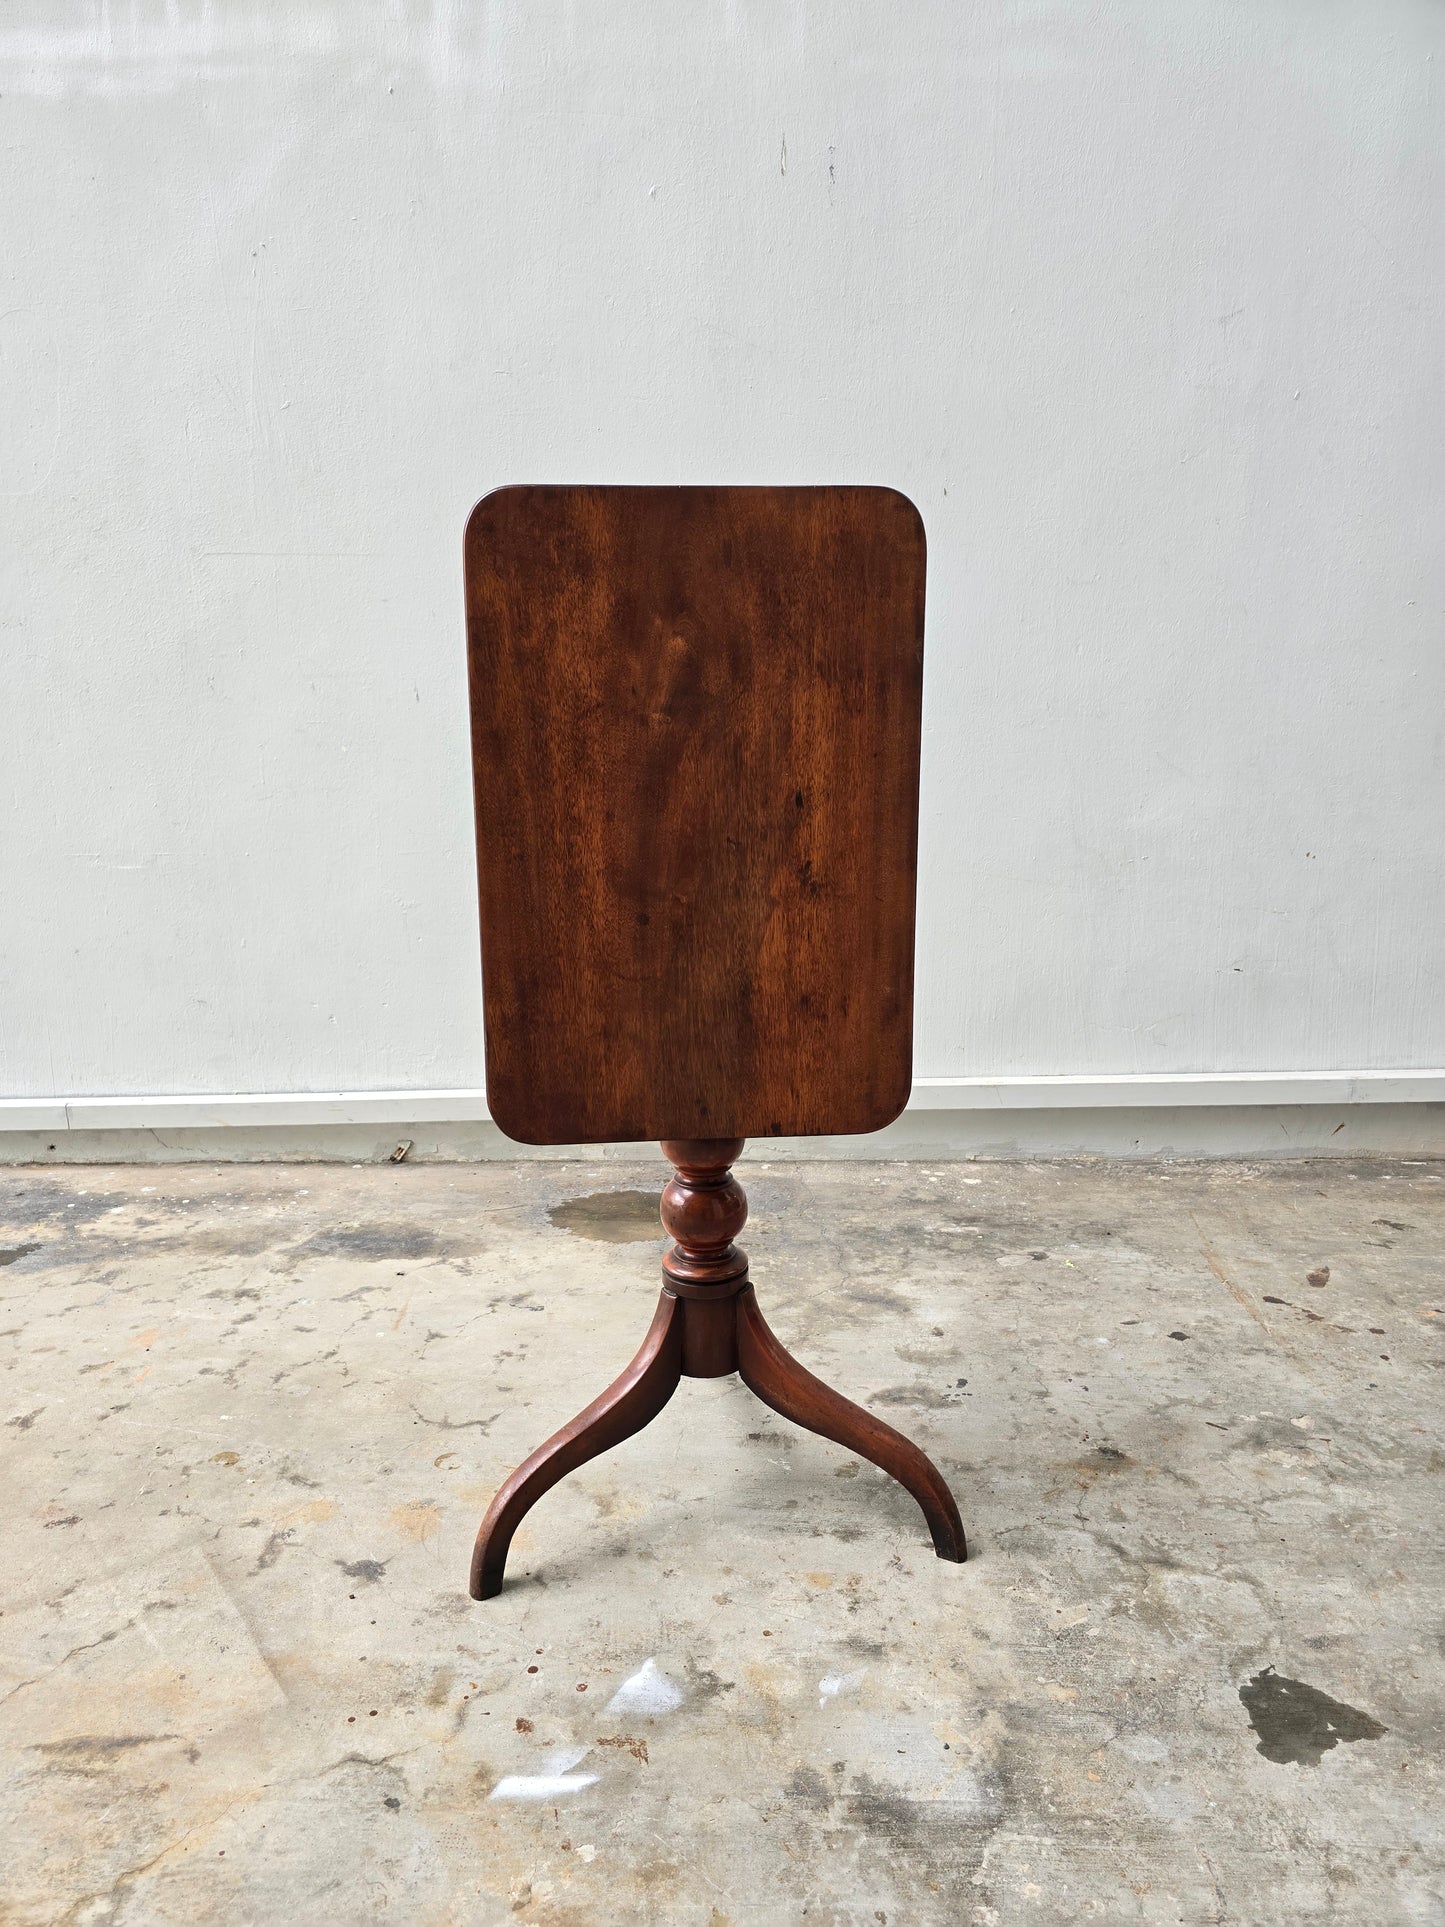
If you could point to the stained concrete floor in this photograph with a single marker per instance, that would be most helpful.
(1192, 1672)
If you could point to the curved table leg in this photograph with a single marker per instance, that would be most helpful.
(629, 1403)
(781, 1382)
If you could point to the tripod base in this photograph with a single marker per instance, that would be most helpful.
(708, 1325)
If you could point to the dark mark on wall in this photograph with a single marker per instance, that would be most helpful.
(1296, 1723)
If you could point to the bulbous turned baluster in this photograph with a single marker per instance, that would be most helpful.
(703, 1209)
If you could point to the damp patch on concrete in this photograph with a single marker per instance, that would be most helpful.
(1296, 1723)
(610, 1217)
(44, 1200)
(375, 1242)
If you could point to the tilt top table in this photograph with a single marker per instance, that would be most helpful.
(695, 741)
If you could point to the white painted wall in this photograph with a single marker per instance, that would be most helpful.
(1142, 303)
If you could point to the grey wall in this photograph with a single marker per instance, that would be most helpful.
(1141, 303)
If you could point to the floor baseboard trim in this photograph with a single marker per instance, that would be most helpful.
(1141, 1091)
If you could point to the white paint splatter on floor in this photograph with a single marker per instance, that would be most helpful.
(649, 1690)
(555, 1778)
(832, 1684)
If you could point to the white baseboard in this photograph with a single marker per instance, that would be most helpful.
(224, 1109)
(1175, 1089)
(1147, 1090)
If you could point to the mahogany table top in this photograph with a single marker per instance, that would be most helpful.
(695, 730)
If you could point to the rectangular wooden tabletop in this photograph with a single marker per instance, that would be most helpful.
(695, 728)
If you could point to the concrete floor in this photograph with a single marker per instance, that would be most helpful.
(1192, 1672)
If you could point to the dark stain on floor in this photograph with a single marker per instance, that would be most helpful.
(37, 1201)
(371, 1241)
(928, 1398)
(12, 1252)
(610, 1217)
(810, 1788)
(1296, 1723)
(368, 1569)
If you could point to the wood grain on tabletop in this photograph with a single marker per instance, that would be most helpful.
(695, 724)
